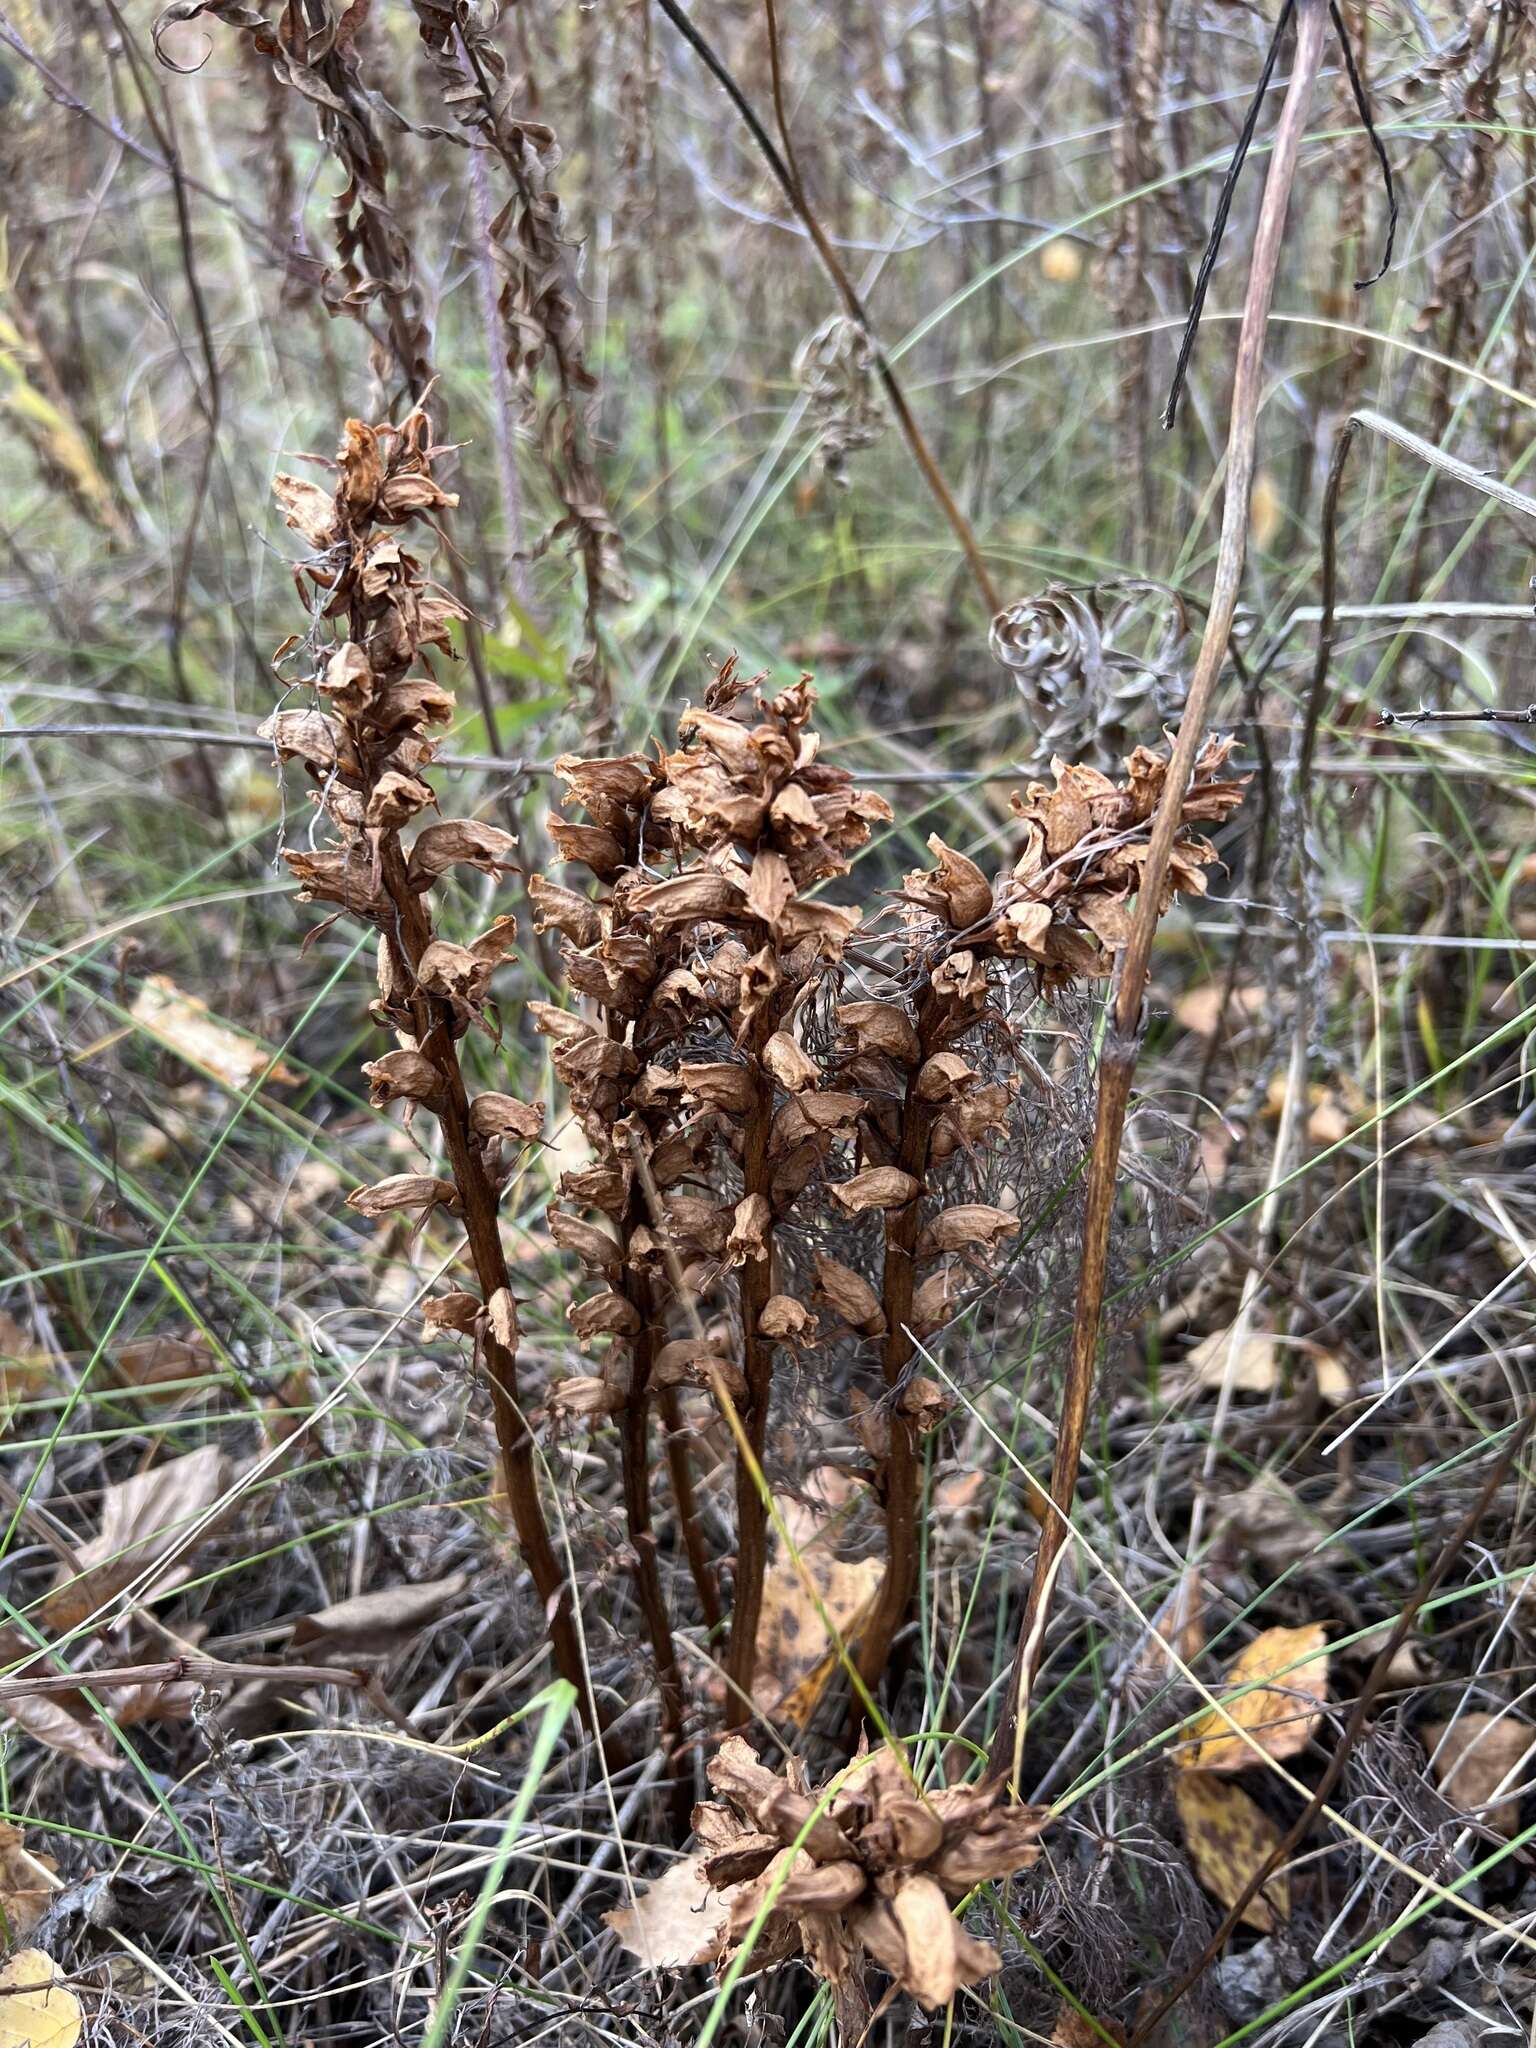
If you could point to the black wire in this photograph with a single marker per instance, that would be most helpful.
(1362, 102)
(1223, 208)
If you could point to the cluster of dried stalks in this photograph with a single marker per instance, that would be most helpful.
(761, 1070)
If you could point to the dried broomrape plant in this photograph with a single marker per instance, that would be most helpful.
(366, 741)
(790, 1109)
(869, 1871)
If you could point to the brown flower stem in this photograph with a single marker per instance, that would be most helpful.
(900, 1470)
(411, 936)
(634, 1448)
(757, 1367)
(1123, 1038)
(680, 1469)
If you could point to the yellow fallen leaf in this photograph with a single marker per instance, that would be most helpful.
(37, 2010)
(1275, 1690)
(677, 1921)
(27, 1881)
(1254, 1368)
(1200, 1009)
(184, 1025)
(1478, 1757)
(1229, 1838)
(796, 1655)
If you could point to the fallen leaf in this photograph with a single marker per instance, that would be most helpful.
(1228, 1838)
(143, 1519)
(52, 1721)
(796, 1655)
(1253, 1369)
(37, 2009)
(374, 1621)
(1200, 1011)
(677, 1921)
(1478, 1757)
(1074, 2029)
(151, 1361)
(1275, 1690)
(27, 1882)
(1266, 1521)
(184, 1025)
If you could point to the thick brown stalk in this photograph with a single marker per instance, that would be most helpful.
(411, 935)
(680, 1469)
(634, 1446)
(757, 1367)
(1123, 1037)
(900, 1470)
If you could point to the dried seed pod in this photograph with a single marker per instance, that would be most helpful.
(877, 1187)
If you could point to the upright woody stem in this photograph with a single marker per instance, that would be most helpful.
(1123, 1038)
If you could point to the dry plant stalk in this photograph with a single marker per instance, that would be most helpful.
(1122, 1044)
(375, 617)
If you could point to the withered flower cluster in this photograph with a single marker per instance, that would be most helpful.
(366, 741)
(698, 1098)
(748, 1090)
(875, 1875)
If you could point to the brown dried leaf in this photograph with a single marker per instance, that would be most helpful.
(1253, 1368)
(143, 1519)
(307, 509)
(882, 1028)
(153, 1361)
(375, 1622)
(849, 1295)
(503, 1116)
(458, 840)
(1477, 1759)
(941, 1956)
(789, 1063)
(404, 1191)
(182, 1023)
(1229, 1838)
(966, 1227)
(1285, 1673)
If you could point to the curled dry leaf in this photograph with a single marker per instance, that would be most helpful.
(1479, 1761)
(967, 1226)
(421, 1191)
(376, 1622)
(1229, 1838)
(183, 1024)
(1275, 1691)
(877, 1187)
(849, 1296)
